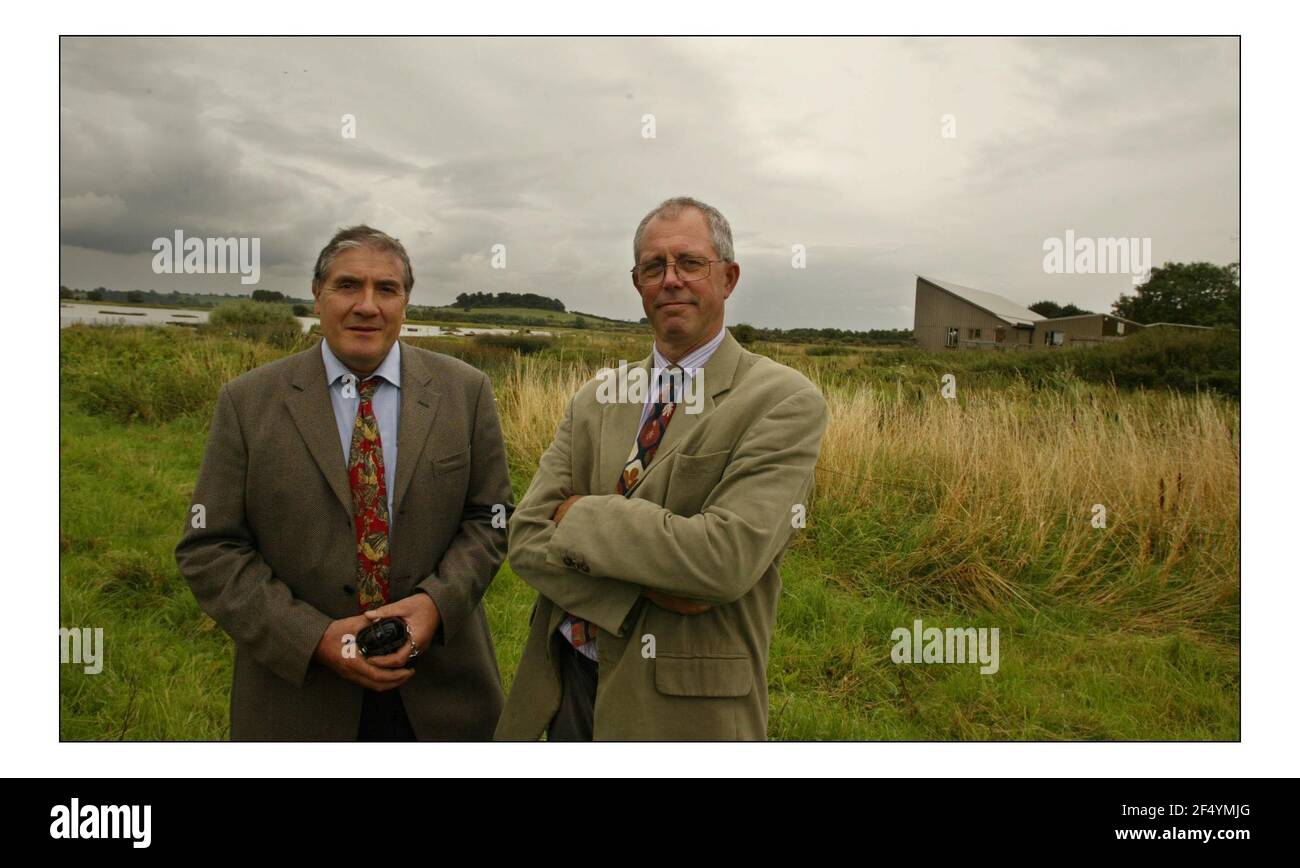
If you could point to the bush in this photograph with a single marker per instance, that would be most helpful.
(151, 374)
(260, 321)
(523, 344)
(1184, 360)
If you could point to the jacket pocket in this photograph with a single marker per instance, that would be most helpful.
(692, 480)
(706, 464)
(701, 675)
(450, 463)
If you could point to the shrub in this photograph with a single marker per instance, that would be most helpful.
(151, 374)
(260, 321)
(524, 344)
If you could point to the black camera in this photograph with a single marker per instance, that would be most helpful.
(383, 637)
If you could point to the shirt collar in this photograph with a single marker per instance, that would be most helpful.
(695, 359)
(390, 369)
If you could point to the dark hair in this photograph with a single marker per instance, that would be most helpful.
(361, 236)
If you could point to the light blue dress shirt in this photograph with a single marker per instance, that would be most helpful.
(386, 404)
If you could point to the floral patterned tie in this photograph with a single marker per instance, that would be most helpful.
(369, 502)
(647, 444)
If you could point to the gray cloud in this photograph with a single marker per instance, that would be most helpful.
(536, 144)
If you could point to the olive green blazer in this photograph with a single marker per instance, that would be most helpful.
(275, 561)
(709, 520)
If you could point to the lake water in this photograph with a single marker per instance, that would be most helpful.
(108, 314)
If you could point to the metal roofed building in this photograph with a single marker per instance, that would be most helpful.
(952, 316)
(1084, 329)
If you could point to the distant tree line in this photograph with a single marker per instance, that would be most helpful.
(746, 333)
(470, 300)
(1192, 293)
(1052, 310)
(173, 298)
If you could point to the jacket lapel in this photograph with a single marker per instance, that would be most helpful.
(717, 376)
(419, 408)
(619, 421)
(309, 405)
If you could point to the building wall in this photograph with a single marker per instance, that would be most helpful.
(936, 311)
(1083, 330)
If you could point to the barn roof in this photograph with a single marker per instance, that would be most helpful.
(1085, 316)
(1002, 308)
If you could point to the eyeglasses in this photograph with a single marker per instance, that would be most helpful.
(689, 268)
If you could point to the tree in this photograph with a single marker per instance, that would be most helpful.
(96, 294)
(743, 332)
(471, 300)
(64, 292)
(1052, 310)
(135, 296)
(267, 295)
(1194, 293)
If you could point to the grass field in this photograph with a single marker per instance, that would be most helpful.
(969, 512)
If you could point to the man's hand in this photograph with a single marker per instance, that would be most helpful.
(353, 666)
(421, 614)
(679, 605)
(564, 507)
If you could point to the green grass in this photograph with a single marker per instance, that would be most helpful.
(1073, 666)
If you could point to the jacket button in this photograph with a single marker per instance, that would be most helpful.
(349, 590)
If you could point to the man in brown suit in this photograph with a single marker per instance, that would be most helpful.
(655, 525)
(356, 480)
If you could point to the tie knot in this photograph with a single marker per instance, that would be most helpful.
(671, 383)
(367, 388)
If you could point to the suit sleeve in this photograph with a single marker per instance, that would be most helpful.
(227, 574)
(606, 602)
(475, 554)
(719, 554)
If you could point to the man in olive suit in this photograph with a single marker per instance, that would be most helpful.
(655, 524)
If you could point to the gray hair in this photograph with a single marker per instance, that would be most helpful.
(361, 236)
(670, 209)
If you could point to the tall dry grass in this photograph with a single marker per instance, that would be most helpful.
(990, 499)
(531, 396)
(1003, 491)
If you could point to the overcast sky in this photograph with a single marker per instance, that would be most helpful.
(537, 144)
